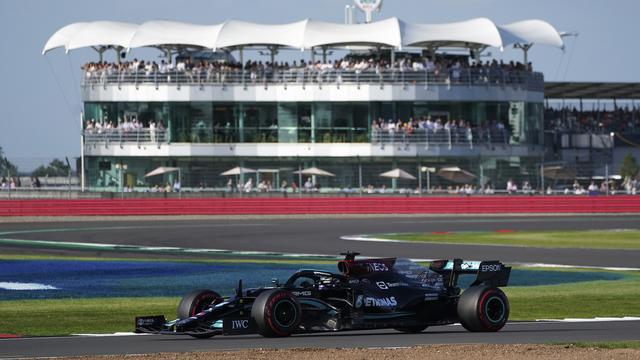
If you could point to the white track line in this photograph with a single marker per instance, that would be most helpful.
(523, 264)
(596, 319)
(111, 335)
(538, 321)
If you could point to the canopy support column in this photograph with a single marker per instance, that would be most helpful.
(100, 50)
(118, 50)
(525, 50)
(241, 56)
(432, 53)
(324, 54)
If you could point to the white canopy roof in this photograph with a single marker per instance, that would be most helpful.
(475, 31)
(530, 31)
(163, 32)
(384, 32)
(303, 34)
(101, 33)
(241, 33)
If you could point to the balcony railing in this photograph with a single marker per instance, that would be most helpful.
(120, 136)
(464, 77)
(448, 137)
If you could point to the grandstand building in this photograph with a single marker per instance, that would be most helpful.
(414, 97)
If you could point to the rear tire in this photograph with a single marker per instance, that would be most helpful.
(277, 313)
(411, 329)
(483, 309)
(195, 302)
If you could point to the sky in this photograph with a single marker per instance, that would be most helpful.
(40, 95)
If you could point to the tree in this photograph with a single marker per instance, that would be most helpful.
(55, 168)
(6, 167)
(629, 168)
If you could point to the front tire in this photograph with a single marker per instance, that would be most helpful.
(483, 309)
(277, 313)
(195, 302)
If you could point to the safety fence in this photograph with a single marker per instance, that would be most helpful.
(301, 76)
(328, 205)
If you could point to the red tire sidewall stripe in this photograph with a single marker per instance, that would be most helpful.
(198, 301)
(481, 303)
(268, 312)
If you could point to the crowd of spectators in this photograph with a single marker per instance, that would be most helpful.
(437, 129)
(128, 125)
(449, 70)
(11, 183)
(567, 119)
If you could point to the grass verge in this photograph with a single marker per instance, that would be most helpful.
(79, 316)
(108, 315)
(592, 239)
(632, 344)
(583, 300)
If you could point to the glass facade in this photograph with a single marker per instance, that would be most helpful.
(351, 173)
(311, 122)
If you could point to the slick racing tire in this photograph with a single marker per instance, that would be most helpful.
(483, 309)
(195, 302)
(411, 329)
(277, 313)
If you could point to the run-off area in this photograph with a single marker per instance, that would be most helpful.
(72, 278)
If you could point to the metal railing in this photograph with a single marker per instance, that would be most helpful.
(448, 137)
(210, 77)
(121, 136)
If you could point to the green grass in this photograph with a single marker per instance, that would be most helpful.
(74, 316)
(583, 300)
(593, 239)
(631, 344)
(108, 315)
(168, 259)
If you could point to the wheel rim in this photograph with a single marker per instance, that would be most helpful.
(202, 303)
(285, 313)
(494, 309)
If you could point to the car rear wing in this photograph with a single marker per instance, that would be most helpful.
(489, 272)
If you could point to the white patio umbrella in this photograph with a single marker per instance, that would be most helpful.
(559, 173)
(398, 174)
(314, 171)
(237, 171)
(163, 170)
(456, 175)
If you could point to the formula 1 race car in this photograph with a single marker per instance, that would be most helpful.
(367, 294)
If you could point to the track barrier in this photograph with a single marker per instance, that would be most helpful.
(325, 205)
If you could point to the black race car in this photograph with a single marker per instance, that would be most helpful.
(367, 294)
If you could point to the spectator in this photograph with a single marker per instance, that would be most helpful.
(512, 188)
(248, 186)
(230, 185)
(308, 185)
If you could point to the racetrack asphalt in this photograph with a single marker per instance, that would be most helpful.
(322, 236)
(513, 333)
